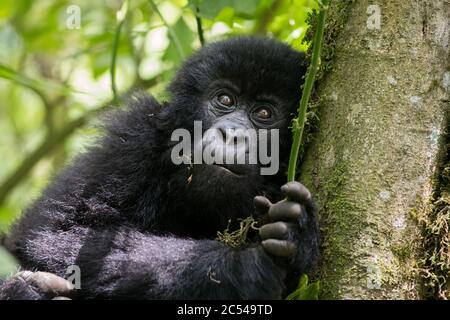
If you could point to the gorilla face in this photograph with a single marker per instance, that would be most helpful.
(241, 84)
(232, 88)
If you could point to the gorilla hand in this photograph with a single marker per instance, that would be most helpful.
(280, 237)
(27, 285)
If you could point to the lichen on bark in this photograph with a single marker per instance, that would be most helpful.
(372, 159)
(434, 265)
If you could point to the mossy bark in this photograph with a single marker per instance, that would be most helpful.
(383, 102)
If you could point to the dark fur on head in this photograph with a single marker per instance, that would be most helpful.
(257, 66)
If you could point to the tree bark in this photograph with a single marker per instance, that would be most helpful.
(382, 109)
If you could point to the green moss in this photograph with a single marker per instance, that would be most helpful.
(337, 17)
(237, 238)
(341, 222)
(371, 142)
(434, 267)
(336, 21)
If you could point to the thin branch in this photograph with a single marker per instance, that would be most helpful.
(18, 78)
(198, 19)
(37, 86)
(299, 123)
(121, 16)
(172, 33)
(53, 140)
(113, 60)
(50, 142)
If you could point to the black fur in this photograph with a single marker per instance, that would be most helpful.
(18, 289)
(133, 223)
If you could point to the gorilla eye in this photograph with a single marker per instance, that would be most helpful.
(263, 113)
(225, 100)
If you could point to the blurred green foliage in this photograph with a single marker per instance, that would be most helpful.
(305, 290)
(54, 76)
(8, 264)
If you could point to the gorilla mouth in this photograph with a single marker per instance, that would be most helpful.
(227, 169)
(238, 170)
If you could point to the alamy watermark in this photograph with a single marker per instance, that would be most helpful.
(374, 19)
(74, 276)
(227, 147)
(73, 20)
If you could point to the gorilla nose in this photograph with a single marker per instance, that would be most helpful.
(234, 126)
(233, 135)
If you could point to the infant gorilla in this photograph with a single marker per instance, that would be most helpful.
(139, 226)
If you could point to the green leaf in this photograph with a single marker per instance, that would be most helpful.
(312, 292)
(8, 264)
(227, 16)
(6, 216)
(193, 3)
(209, 9)
(245, 8)
(101, 63)
(305, 291)
(186, 38)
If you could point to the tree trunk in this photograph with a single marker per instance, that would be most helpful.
(371, 163)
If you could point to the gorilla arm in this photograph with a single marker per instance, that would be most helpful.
(122, 262)
(125, 263)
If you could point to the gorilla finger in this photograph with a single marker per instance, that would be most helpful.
(296, 191)
(262, 204)
(48, 282)
(278, 248)
(61, 298)
(285, 210)
(276, 230)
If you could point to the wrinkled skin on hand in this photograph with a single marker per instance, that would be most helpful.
(36, 286)
(287, 222)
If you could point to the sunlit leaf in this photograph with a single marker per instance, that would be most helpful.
(211, 9)
(304, 290)
(185, 36)
(245, 8)
(226, 16)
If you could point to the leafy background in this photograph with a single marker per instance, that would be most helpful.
(55, 80)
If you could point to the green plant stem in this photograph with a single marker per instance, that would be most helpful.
(199, 27)
(298, 123)
(170, 29)
(121, 18)
(114, 60)
(37, 86)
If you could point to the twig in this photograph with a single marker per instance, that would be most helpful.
(34, 85)
(37, 86)
(198, 19)
(53, 140)
(121, 16)
(299, 123)
(50, 142)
